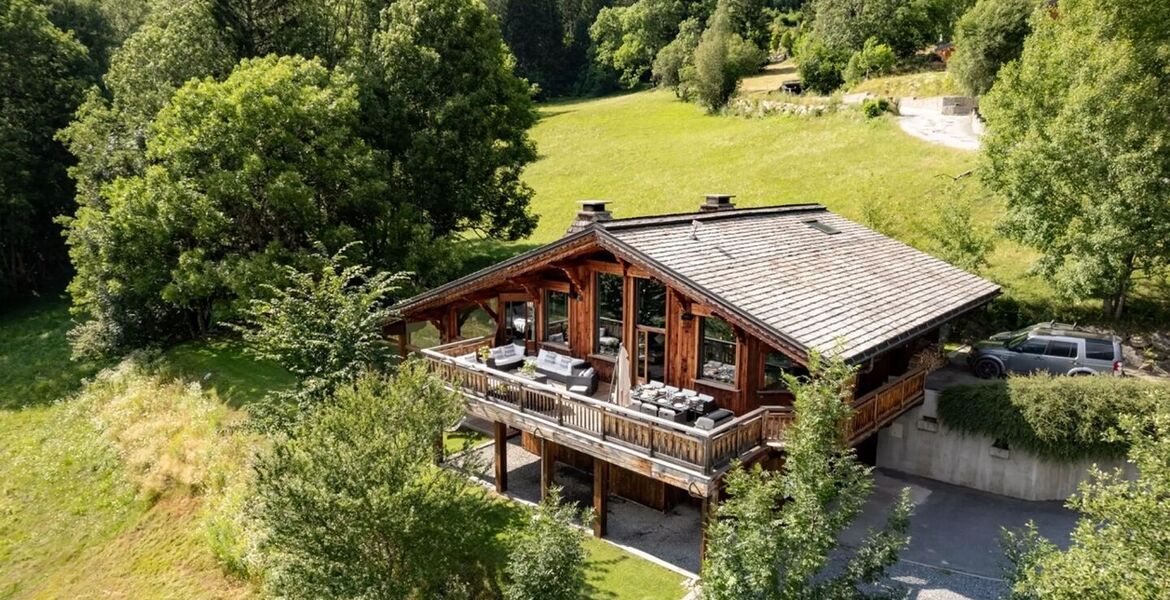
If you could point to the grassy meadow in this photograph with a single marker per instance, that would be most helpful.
(123, 486)
(649, 153)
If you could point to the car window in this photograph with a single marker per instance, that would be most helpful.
(1033, 346)
(1062, 349)
(1098, 350)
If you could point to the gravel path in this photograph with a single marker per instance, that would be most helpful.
(928, 124)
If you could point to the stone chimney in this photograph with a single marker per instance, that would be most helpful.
(716, 202)
(591, 211)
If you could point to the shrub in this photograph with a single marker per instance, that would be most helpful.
(872, 60)
(353, 506)
(875, 107)
(960, 241)
(548, 559)
(820, 67)
(1059, 418)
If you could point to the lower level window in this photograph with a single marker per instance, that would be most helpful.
(717, 349)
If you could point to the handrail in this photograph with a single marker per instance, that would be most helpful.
(548, 389)
(706, 450)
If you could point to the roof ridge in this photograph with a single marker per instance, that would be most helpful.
(632, 222)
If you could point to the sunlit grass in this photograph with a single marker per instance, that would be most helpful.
(925, 84)
(650, 154)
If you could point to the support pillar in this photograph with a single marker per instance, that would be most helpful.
(501, 444)
(707, 514)
(547, 465)
(600, 497)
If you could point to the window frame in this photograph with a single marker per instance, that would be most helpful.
(736, 356)
(621, 321)
(548, 321)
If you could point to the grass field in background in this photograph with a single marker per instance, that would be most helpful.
(649, 153)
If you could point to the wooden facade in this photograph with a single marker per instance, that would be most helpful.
(648, 459)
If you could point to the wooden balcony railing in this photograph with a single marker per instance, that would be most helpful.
(877, 408)
(703, 452)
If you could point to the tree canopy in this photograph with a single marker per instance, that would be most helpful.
(406, 131)
(43, 76)
(987, 37)
(1078, 144)
(351, 504)
(772, 538)
(1120, 547)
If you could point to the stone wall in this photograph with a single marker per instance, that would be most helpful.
(917, 443)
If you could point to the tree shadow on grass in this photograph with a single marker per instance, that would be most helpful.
(36, 367)
(223, 366)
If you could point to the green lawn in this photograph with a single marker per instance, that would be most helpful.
(35, 368)
(74, 522)
(650, 153)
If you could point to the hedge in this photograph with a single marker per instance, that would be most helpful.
(1059, 418)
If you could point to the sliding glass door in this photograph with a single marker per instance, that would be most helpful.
(650, 330)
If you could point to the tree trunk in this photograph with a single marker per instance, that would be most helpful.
(1115, 304)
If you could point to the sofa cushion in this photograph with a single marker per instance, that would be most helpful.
(546, 358)
(564, 365)
(588, 373)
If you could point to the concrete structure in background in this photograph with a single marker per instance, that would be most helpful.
(918, 444)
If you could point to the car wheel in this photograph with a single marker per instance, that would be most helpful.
(986, 368)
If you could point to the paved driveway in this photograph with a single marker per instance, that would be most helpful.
(954, 550)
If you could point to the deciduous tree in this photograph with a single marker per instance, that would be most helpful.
(43, 74)
(547, 560)
(351, 504)
(987, 37)
(722, 58)
(1078, 144)
(772, 538)
(1120, 547)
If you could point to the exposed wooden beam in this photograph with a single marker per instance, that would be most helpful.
(501, 452)
(571, 273)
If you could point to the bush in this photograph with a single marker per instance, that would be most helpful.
(548, 559)
(872, 60)
(987, 37)
(1059, 418)
(353, 506)
(821, 69)
(875, 107)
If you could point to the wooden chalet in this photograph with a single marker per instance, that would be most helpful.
(718, 303)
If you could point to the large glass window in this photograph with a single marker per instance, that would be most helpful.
(717, 347)
(776, 365)
(556, 317)
(518, 319)
(610, 306)
(651, 298)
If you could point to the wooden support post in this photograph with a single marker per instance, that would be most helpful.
(600, 497)
(547, 466)
(707, 514)
(501, 435)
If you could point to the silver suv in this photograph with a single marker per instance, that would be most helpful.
(1049, 347)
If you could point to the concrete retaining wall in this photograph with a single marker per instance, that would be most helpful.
(918, 444)
(943, 105)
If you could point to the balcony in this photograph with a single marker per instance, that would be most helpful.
(677, 454)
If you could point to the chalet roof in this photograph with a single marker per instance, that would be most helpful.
(799, 275)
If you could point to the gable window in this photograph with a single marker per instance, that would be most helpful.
(556, 317)
(776, 365)
(610, 307)
(717, 348)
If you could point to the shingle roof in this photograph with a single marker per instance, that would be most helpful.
(781, 267)
(798, 273)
